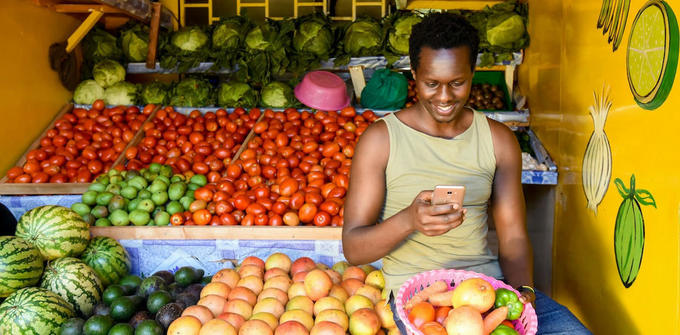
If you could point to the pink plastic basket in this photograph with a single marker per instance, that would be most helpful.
(527, 324)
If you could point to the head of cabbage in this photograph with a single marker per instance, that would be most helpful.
(192, 92)
(189, 38)
(228, 34)
(121, 93)
(99, 44)
(258, 38)
(135, 43)
(87, 92)
(236, 94)
(363, 37)
(506, 31)
(314, 36)
(278, 95)
(155, 93)
(108, 72)
(401, 31)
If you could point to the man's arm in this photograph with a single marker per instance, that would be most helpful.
(363, 240)
(508, 210)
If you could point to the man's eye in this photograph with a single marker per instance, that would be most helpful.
(431, 85)
(457, 83)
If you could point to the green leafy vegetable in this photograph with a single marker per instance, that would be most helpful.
(188, 47)
(237, 94)
(278, 95)
(363, 37)
(192, 92)
(399, 27)
(121, 93)
(268, 46)
(505, 31)
(99, 45)
(313, 39)
(155, 93)
(135, 42)
(87, 92)
(227, 40)
(108, 72)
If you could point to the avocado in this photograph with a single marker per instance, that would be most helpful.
(168, 313)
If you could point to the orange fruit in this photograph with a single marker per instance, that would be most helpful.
(185, 325)
(421, 313)
(217, 327)
(202, 313)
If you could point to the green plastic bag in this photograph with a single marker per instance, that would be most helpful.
(387, 90)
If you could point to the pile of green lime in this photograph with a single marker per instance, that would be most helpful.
(142, 198)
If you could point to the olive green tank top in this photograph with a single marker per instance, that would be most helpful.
(418, 162)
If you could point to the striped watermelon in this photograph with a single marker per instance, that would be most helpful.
(74, 281)
(107, 258)
(21, 265)
(55, 230)
(33, 311)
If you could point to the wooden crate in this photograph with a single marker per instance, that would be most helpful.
(56, 188)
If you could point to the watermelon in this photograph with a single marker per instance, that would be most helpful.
(34, 311)
(21, 265)
(74, 281)
(55, 230)
(107, 258)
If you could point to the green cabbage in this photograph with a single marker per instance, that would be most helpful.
(236, 94)
(192, 92)
(364, 37)
(108, 72)
(190, 38)
(505, 31)
(259, 37)
(267, 51)
(278, 95)
(313, 36)
(228, 34)
(401, 31)
(155, 93)
(121, 93)
(87, 92)
(135, 42)
(99, 45)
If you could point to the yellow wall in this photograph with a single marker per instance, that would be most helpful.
(568, 60)
(29, 90)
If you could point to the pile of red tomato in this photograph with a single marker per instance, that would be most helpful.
(197, 143)
(82, 144)
(295, 170)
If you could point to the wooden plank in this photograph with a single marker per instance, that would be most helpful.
(451, 4)
(244, 145)
(83, 29)
(87, 8)
(43, 189)
(153, 36)
(218, 232)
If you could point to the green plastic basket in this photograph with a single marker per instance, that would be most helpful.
(494, 78)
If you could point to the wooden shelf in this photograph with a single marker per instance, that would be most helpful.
(218, 233)
(451, 4)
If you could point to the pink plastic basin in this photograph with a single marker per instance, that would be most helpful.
(322, 90)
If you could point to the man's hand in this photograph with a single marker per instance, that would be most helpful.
(434, 220)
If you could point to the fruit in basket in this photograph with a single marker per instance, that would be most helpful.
(364, 322)
(433, 328)
(107, 258)
(33, 310)
(504, 330)
(21, 265)
(494, 318)
(56, 231)
(464, 320)
(75, 282)
(421, 313)
(486, 97)
(509, 299)
(474, 292)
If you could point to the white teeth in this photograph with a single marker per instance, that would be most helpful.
(445, 109)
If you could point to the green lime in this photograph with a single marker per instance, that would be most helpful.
(139, 217)
(652, 55)
(90, 197)
(199, 179)
(98, 325)
(122, 329)
(129, 192)
(72, 326)
(119, 217)
(104, 198)
(149, 327)
(112, 292)
(162, 218)
(131, 281)
(80, 208)
(155, 167)
(159, 197)
(174, 207)
(122, 308)
(157, 300)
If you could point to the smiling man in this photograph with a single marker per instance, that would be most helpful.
(441, 141)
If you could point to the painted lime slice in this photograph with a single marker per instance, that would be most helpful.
(652, 55)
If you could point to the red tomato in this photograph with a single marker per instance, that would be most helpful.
(421, 313)
(441, 313)
(307, 212)
(228, 219)
(331, 207)
(288, 187)
(322, 219)
(248, 220)
(202, 217)
(297, 200)
(432, 328)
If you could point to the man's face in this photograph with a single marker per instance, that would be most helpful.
(443, 80)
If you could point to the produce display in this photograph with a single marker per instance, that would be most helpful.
(281, 296)
(295, 170)
(54, 230)
(473, 306)
(81, 144)
(145, 197)
(109, 260)
(75, 282)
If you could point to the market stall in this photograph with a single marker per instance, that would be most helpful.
(200, 121)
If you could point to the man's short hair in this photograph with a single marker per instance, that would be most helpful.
(443, 31)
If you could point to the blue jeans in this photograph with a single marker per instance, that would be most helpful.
(553, 318)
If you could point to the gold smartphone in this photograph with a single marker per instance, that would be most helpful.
(444, 194)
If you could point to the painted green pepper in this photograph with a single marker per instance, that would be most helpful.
(504, 330)
(505, 297)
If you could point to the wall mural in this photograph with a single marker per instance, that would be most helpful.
(652, 55)
(629, 231)
(597, 160)
(612, 19)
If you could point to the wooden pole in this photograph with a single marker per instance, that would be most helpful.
(153, 35)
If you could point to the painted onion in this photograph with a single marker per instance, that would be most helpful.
(597, 161)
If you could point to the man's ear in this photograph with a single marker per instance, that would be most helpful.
(413, 73)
